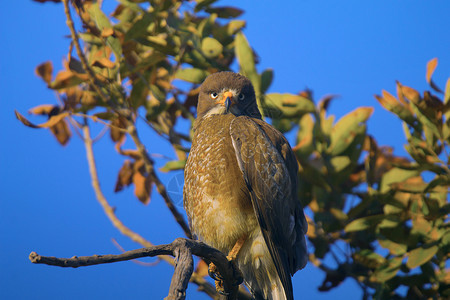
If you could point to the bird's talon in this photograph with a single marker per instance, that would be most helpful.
(220, 289)
(222, 292)
(213, 273)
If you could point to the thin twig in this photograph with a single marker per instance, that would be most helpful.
(149, 164)
(83, 60)
(97, 119)
(109, 211)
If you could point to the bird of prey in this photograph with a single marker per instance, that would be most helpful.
(240, 187)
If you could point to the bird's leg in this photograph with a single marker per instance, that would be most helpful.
(236, 248)
(232, 255)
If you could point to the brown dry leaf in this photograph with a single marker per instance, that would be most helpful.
(51, 122)
(142, 187)
(311, 228)
(131, 153)
(431, 66)
(202, 268)
(389, 98)
(116, 134)
(45, 71)
(65, 79)
(73, 97)
(103, 63)
(107, 31)
(43, 109)
(74, 65)
(411, 94)
(325, 102)
(125, 176)
(62, 132)
(400, 95)
(88, 98)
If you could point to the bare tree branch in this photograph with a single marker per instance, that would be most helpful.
(109, 211)
(182, 249)
(149, 165)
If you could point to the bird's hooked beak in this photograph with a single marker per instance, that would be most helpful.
(226, 100)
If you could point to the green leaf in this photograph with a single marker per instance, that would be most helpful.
(447, 109)
(283, 125)
(395, 175)
(364, 223)
(305, 145)
(173, 165)
(447, 92)
(90, 38)
(191, 75)
(211, 47)
(441, 180)
(394, 248)
(421, 255)
(201, 4)
(138, 93)
(266, 80)
(244, 54)
(390, 221)
(158, 93)
(368, 258)
(205, 26)
(388, 270)
(139, 28)
(102, 22)
(225, 12)
(391, 104)
(424, 120)
(277, 106)
(234, 26)
(339, 163)
(345, 130)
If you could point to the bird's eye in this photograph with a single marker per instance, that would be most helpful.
(214, 95)
(241, 97)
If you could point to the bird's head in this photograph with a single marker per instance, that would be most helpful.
(227, 92)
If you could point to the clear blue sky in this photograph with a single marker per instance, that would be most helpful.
(351, 48)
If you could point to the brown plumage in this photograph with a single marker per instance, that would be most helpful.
(240, 182)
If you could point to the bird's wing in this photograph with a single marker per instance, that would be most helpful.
(269, 168)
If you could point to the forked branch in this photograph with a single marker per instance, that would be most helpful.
(182, 249)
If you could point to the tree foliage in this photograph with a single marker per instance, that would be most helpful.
(377, 218)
